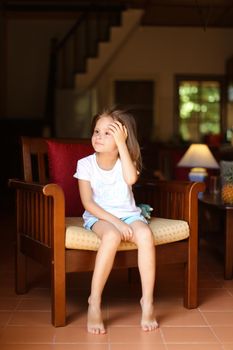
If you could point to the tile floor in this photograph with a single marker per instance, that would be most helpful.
(25, 320)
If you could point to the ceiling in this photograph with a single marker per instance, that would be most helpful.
(197, 13)
(204, 13)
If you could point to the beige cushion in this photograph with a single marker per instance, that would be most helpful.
(164, 230)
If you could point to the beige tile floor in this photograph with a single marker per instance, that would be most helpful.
(25, 320)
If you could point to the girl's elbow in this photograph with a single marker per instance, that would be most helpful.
(131, 180)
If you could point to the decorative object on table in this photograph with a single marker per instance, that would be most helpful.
(214, 184)
(146, 210)
(226, 169)
(198, 157)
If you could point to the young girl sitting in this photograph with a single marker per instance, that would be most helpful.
(105, 183)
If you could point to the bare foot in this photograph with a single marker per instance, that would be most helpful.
(94, 319)
(148, 321)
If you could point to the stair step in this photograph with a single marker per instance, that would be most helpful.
(106, 50)
(106, 21)
(95, 29)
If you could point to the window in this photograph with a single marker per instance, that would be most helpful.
(199, 104)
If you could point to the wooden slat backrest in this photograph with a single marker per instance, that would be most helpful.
(36, 147)
(167, 200)
(35, 157)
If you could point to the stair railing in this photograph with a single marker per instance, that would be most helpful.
(69, 55)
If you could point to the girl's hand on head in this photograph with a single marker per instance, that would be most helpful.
(119, 132)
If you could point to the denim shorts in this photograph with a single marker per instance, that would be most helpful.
(128, 220)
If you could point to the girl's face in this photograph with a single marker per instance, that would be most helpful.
(102, 140)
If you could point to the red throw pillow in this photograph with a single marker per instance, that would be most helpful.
(63, 159)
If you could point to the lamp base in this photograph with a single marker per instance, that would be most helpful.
(198, 174)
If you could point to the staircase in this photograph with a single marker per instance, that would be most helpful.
(107, 51)
(75, 95)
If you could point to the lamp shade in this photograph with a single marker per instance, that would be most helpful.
(199, 156)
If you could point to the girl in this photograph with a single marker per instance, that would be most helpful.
(105, 183)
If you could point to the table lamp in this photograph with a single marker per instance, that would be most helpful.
(198, 157)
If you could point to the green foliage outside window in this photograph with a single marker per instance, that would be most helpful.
(199, 109)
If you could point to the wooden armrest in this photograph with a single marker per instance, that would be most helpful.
(50, 189)
(31, 186)
(40, 212)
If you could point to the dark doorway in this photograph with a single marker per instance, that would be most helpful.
(138, 95)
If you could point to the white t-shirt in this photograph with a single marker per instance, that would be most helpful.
(110, 191)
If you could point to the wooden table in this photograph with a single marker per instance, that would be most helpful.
(214, 201)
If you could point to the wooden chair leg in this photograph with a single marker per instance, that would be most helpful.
(20, 272)
(191, 285)
(58, 298)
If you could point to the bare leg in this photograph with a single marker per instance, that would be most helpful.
(146, 263)
(110, 240)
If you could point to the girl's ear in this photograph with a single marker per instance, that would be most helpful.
(125, 130)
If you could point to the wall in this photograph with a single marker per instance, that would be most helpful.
(151, 53)
(28, 61)
(159, 53)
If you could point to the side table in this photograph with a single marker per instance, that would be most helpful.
(214, 201)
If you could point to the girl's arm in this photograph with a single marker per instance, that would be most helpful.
(92, 207)
(119, 133)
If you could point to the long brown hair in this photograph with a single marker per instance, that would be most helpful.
(127, 119)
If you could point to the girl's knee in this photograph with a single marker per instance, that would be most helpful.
(112, 237)
(145, 236)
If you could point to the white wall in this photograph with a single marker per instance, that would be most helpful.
(151, 53)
